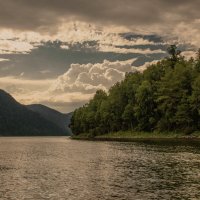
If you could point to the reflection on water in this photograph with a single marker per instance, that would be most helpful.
(59, 168)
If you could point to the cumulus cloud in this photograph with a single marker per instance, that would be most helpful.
(87, 78)
(73, 88)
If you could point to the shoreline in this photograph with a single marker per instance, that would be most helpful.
(139, 137)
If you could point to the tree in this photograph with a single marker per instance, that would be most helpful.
(197, 61)
(174, 86)
(174, 54)
(165, 97)
(128, 117)
(144, 108)
(195, 101)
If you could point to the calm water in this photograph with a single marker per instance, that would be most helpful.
(59, 168)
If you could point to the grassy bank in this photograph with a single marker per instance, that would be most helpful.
(134, 136)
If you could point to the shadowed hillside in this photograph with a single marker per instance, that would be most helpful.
(17, 120)
(60, 119)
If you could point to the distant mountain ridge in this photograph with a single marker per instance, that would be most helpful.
(60, 119)
(17, 120)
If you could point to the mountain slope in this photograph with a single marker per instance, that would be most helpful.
(17, 120)
(60, 119)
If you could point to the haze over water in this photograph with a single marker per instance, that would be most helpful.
(60, 168)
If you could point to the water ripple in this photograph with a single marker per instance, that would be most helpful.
(60, 169)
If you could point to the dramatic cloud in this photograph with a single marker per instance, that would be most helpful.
(73, 88)
(87, 78)
(37, 91)
(50, 59)
(89, 36)
(43, 13)
(41, 40)
(188, 32)
(50, 16)
(9, 46)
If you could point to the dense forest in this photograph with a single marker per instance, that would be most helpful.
(165, 97)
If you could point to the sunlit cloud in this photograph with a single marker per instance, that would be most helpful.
(72, 33)
(189, 54)
(10, 46)
(77, 85)
(39, 42)
(3, 60)
(87, 78)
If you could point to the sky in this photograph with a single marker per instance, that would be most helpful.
(59, 52)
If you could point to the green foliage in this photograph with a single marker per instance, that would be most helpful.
(174, 54)
(165, 97)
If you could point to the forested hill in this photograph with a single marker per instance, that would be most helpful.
(60, 119)
(17, 120)
(165, 97)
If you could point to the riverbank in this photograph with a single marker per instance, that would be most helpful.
(129, 136)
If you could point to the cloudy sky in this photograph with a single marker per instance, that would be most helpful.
(59, 52)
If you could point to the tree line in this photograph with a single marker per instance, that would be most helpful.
(165, 97)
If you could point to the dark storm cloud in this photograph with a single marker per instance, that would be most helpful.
(42, 14)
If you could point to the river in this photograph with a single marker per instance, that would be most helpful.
(63, 169)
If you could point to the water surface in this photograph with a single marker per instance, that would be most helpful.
(59, 168)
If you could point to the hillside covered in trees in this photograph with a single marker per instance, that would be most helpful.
(61, 120)
(17, 120)
(165, 98)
